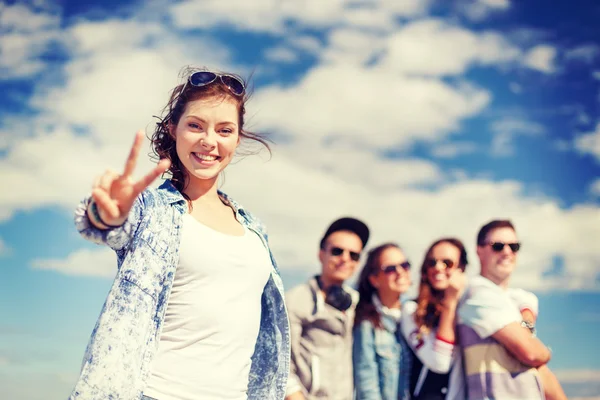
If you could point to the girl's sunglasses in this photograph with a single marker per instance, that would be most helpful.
(499, 246)
(203, 78)
(337, 251)
(432, 262)
(396, 268)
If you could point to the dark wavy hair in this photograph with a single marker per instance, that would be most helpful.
(163, 143)
(365, 309)
(429, 300)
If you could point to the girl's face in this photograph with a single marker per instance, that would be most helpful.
(206, 137)
(390, 281)
(442, 260)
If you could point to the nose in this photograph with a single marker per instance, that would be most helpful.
(507, 250)
(346, 256)
(209, 141)
(439, 265)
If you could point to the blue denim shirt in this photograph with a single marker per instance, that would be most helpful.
(381, 362)
(125, 338)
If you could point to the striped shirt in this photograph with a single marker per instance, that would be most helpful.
(491, 371)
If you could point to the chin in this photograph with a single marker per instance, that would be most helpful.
(341, 277)
(440, 287)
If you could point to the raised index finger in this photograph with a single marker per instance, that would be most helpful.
(133, 154)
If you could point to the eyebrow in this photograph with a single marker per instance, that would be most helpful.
(203, 121)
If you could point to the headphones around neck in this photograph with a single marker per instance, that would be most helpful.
(336, 296)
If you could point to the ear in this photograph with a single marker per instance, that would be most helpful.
(171, 128)
(373, 280)
(479, 251)
(321, 255)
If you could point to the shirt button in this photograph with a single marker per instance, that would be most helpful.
(444, 390)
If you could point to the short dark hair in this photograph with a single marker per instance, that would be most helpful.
(490, 226)
(349, 224)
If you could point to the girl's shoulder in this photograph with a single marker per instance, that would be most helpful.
(408, 308)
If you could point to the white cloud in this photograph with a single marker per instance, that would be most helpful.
(596, 75)
(453, 149)
(479, 10)
(84, 262)
(506, 130)
(434, 47)
(23, 19)
(589, 143)
(541, 58)
(372, 107)
(25, 36)
(281, 54)
(309, 44)
(274, 15)
(584, 53)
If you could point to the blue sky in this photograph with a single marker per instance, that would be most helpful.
(424, 118)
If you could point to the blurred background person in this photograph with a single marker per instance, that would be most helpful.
(321, 317)
(428, 323)
(492, 329)
(380, 355)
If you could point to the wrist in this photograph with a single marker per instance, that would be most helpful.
(96, 219)
(450, 302)
(529, 325)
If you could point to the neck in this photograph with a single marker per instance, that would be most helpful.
(502, 282)
(389, 300)
(201, 190)
(326, 282)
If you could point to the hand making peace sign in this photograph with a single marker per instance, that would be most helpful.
(114, 194)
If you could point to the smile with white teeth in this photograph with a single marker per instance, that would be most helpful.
(440, 276)
(206, 157)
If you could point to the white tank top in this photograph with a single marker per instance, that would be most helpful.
(212, 318)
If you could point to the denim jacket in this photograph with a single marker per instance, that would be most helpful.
(381, 360)
(126, 336)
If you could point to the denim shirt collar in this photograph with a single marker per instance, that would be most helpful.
(390, 318)
(173, 196)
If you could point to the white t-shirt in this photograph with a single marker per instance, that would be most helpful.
(212, 318)
(490, 370)
(488, 307)
(441, 356)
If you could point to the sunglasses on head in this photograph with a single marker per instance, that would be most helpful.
(203, 78)
(396, 268)
(432, 262)
(499, 246)
(338, 251)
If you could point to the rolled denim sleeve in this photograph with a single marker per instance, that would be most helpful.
(116, 238)
(366, 372)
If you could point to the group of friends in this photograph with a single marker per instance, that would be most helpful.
(458, 339)
(197, 309)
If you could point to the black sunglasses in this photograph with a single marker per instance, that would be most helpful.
(337, 251)
(432, 262)
(395, 268)
(499, 246)
(203, 78)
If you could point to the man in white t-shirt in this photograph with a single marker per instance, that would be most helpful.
(501, 356)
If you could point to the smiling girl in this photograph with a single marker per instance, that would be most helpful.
(196, 309)
(380, 355)
(428, 323)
